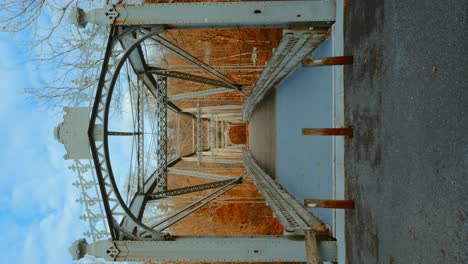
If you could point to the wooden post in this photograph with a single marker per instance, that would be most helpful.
(345, 131)
(336, 204)
(311, 247)
(328, 61)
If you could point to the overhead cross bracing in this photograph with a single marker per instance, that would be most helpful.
(210, 125)
(185, 96)
(214, 109)
(186, 76)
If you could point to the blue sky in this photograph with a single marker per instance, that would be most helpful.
(39, 218)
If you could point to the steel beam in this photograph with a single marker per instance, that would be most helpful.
(113, 203)
(119, 133)
(180, 214)
(194, 61)
(189, 189)
(229, 150)
(193, 135)
(137, 207)
(213, 160)
(223, 115)
(215, 15)
(140, 109)
(186, 76)
(185, 96)
(161, 121)
(216, 132)
(206, 249)
(158, 89)
(292, 215)
(294, 46)
(224, 154)
(206, 109)
(218, 100)
(199, 134)
(200, 174)
(223, 142)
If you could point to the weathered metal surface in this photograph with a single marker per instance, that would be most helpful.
(118, 133)
(189, 189)
(113, 202)
(199, 174)
(213, 160)
(328, 61)
(140, 110)
(218, 108)
(199, 133)
(216, 15)
(346, 131)
(206, 249)
(194, 61)
(180, 214)
(185, 96)
(336, 204)
(312, 256)
(185, 76)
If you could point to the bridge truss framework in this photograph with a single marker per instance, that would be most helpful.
(130, 238)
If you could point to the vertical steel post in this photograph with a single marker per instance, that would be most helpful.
(140, 137)
(161, 184)
(193, 135)
(216, 132)
(199, 131)
(177, 135)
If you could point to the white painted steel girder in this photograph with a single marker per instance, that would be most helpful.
(185, 96)
(206, 249)
(223, 115)
(206, 109)
(199, 174)
(199, 133)
(213, 15)
(213, 160)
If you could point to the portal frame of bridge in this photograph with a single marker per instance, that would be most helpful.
(130, 32)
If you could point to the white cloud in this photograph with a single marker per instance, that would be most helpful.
(40, 218)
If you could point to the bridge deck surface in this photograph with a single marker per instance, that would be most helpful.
(262, 134)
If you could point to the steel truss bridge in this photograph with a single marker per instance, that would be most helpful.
(305, 25)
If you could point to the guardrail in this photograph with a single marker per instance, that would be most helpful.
(290, 212)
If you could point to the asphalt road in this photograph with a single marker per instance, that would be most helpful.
(406, 97)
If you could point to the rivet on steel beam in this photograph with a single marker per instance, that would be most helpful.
(327, 61)
(345, 131)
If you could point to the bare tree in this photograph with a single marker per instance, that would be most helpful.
(52, 43)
